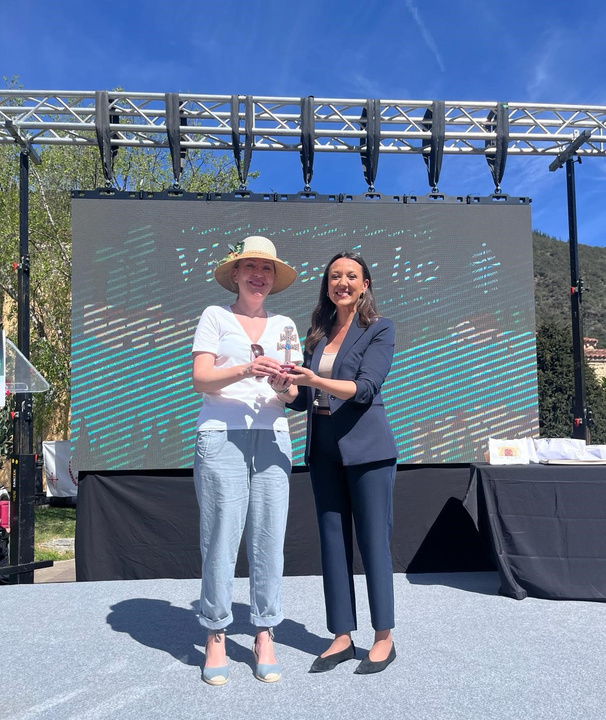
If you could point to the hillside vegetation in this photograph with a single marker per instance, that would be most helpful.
(552, 285)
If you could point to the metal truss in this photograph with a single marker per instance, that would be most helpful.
(139, 119)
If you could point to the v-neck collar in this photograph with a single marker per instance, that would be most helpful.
(242, 329)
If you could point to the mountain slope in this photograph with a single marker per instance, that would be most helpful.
(552, 284)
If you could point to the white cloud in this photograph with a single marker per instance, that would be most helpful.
(425, 34)
(548, 76)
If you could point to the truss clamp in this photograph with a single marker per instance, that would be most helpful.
(23, 264)
(569, 152)
(22, 140)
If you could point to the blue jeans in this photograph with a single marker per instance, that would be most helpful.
(241, 479)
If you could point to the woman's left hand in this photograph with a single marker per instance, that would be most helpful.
(280, 382)
(302, 376)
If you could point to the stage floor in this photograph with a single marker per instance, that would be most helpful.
(132, 650)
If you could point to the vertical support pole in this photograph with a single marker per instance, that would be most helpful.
(23, 470)
(580, 428)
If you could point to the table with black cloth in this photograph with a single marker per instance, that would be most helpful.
(144, 524)
(546, 525)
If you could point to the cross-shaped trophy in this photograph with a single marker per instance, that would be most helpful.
(286, 343)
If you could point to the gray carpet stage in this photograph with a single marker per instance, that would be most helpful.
(134, 650)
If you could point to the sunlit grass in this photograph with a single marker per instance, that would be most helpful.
(52, 523)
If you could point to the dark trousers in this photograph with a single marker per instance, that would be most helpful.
(362, 494)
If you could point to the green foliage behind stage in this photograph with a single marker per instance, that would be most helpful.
(552, 285)
(556, 385)
(554, 337)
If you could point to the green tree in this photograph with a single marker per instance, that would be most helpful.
(555, 368)
(552, 284)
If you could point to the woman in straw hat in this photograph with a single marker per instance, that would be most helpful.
(243, 453)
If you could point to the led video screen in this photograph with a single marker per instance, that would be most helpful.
(456, 279)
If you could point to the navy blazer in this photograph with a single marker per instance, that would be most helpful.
(360, 423)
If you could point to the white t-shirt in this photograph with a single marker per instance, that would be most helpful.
(248, 403)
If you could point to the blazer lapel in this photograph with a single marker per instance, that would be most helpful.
(354, 333)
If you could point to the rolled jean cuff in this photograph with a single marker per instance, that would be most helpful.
(266, 621)
(215, 624)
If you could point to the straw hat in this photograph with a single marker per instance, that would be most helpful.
(255, 246)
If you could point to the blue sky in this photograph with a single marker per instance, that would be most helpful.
(462, 50)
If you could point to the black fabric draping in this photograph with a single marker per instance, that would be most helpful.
(133, 526)
(546, 525)
(145, 525)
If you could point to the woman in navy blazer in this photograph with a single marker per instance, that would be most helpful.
(351, 454)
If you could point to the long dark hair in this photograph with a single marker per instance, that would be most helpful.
(325, 312)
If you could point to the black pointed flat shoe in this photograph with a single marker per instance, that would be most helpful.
(330, 662)
(368, 667)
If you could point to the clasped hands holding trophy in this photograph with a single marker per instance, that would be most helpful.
(279, 375)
